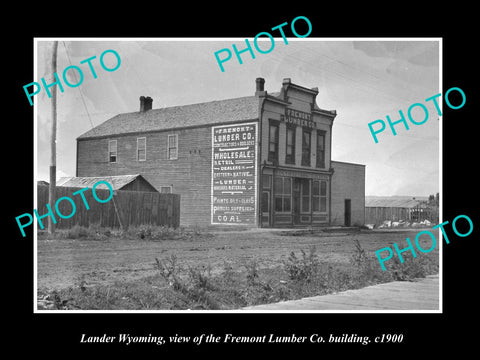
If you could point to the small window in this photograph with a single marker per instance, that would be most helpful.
(266, 181)
(172, 147)
(165, 189)
(141, 149)
(112, 151)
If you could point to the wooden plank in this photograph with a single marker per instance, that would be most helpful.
(422, 294)
(135, 207)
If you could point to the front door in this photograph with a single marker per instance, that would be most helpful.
(266, 208)
(348, 212)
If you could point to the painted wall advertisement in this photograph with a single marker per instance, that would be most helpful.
(234, 174)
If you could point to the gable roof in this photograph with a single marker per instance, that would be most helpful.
(117, 182)
(389, 202)
(230, 110)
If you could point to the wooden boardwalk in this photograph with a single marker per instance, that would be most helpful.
(422, 294)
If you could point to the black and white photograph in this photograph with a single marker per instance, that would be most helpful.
(288, 181)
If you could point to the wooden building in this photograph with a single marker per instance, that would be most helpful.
(260, 160)
(391, 209)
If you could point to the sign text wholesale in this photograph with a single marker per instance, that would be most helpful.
(234, 174)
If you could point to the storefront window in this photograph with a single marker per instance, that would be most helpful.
(305, 193)
(319, 196)
(283, 194)
(323, 196)
(315, 196)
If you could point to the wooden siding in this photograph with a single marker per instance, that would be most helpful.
(139, 184)
(133, 207)
(376, 215)
(348, 182)
(189, 175)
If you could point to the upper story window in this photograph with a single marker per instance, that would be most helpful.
(320, 149)
(290, 146)
(273, 141)
(141, 149)
(172, 147)
(306, 147)
(112, 151)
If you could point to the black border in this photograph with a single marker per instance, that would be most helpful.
(430, 332)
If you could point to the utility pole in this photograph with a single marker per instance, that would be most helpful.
(53, 140)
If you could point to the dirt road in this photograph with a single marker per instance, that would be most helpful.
(62, 263)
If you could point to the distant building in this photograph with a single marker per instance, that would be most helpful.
(380, 209)
(261, 160)
(121, 182)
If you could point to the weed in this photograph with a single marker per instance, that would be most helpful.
(143, 231)
(97, 232)
(359, 257)
(228, 273)
(304, 268)
(194, 288)
(369, 270)
(364, 265)
(76, 232)
(169, 271)
(410, 268)
(200, 277)
(252, 272)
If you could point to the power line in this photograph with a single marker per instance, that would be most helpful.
(79, 88)
(132, 68)
(360, 85)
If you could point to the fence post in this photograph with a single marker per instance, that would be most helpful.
(117, 212)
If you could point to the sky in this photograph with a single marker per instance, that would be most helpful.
(362, 79)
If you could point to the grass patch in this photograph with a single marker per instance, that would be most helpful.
(78, 232)
(142, 232)
(178, 286)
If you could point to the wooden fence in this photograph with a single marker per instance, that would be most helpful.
(126, 208)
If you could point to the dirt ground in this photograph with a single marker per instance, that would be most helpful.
(65, 262)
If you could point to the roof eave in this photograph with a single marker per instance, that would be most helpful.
(106, 136)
